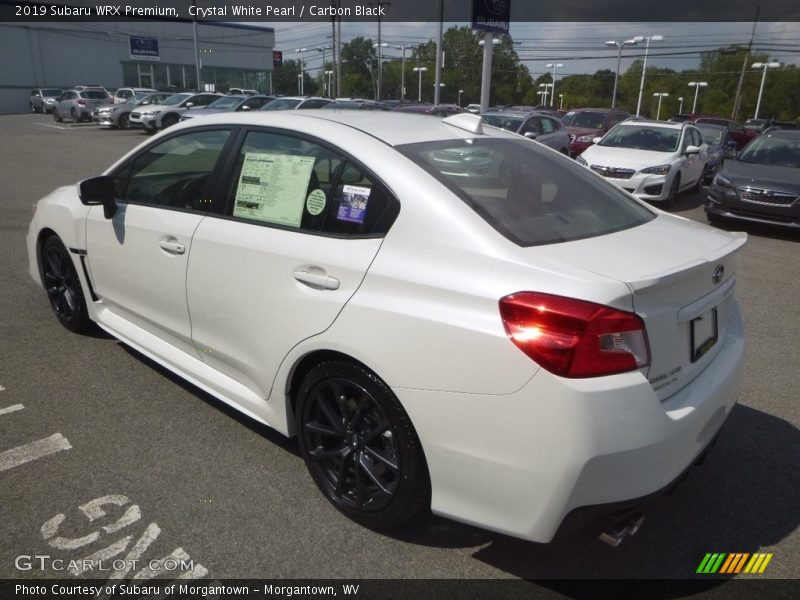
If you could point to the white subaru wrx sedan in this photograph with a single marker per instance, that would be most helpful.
(447, 317)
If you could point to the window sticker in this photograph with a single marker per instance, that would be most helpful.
(353, 207)
(272, 187)
(315, 202)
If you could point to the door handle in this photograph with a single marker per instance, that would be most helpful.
(317, 280)
(172, 247)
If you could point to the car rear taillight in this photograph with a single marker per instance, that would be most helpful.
(82, 102)
(575, 338)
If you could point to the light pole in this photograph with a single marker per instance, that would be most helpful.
(403, 71)
(560, 101)
(767, 65)
(553, 95)
(323, 49)
(300, 84)
(639, 39)
(302, 66)
(441, 85)
(546, 91)
(420, 70)
(541, 101)
(330, 82)
(459, 96)
(380, 48)
(680, 107)
(619, 46)
(696, 85)
(659, 95)
(486, 68)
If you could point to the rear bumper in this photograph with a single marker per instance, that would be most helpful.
(519, 464)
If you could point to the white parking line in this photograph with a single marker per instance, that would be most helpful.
(35, 450)
(51, 125)
(10, 409)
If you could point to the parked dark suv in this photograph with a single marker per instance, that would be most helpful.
(584, 124)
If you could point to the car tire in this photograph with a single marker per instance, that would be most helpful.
(56, 116)
(75, 117)
(359, 445)
(168, 121)
(673, 191)
(63, 286)
(124, 122)
(700, 180)
(33, 108)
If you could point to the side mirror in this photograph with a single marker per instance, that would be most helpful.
(189, 104)
(531, 135)
(691, 150)
(596, 140)
(99, 190)
(245, 108)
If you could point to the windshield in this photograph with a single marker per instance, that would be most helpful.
(526, 192)
(503, 121)
(176, 99)
(281, 104)
(711, 135)
(51, 93)
(655, 139)
(585, 120)
(769, 150)
(226, 102)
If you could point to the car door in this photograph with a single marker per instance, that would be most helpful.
(692, 165)
(137, 259)
(303, 225)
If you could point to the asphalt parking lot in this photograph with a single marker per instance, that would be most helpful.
(234, 497)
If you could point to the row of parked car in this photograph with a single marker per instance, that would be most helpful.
(654, 160)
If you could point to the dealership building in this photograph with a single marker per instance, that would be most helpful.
(140, 53)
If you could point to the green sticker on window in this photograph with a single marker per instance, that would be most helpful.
(315, 202)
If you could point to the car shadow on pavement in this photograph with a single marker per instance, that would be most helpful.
(744, 497)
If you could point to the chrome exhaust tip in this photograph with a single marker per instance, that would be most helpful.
(626, 526)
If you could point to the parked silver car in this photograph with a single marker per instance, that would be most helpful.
(118, 115)
(235, 103)
(545, 129)
(78, 105)
(44, 99)
(166, 114)
(126, 93)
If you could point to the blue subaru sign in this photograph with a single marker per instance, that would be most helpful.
(491, 15)
(144, 48)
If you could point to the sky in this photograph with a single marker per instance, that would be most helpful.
(580, 47)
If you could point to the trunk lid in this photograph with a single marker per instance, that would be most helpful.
(681, 275)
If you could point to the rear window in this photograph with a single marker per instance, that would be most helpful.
(585, 120)
(94, 95)
(527, 193)
(506, 122)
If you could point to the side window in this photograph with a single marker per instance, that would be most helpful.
(313, 104)
(295, 183)
(174, 173)
(360, 206)
(697, 137)
(34, 92)
(547, 125)
(530, 126)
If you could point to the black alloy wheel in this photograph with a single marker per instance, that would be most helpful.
(359, 445)
(75, 117)
(56, 116)
(63, 286)
(673, 191)
(124, 121)
(168, 121)
(701, 180)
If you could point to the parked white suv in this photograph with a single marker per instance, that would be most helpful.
(652, 160)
